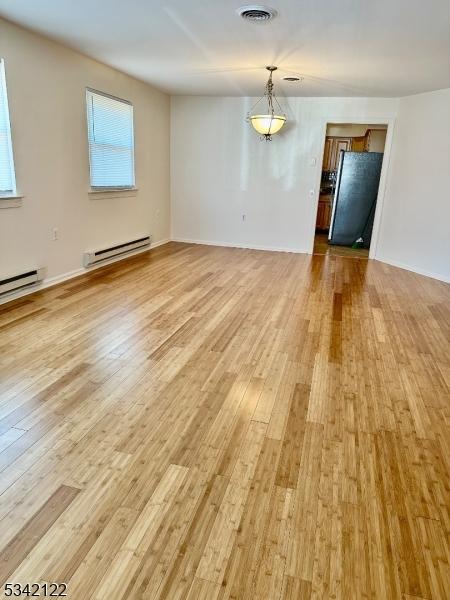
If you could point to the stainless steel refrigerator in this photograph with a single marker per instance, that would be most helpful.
(355, 198)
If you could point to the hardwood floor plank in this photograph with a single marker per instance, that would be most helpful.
(129, 555)
(218, 548)
(297, 589)
(203, 590)
(12, 555)
(181, 572)
(290, 460)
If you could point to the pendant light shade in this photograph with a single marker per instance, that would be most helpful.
(268, 123)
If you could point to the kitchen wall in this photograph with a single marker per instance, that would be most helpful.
(229, 187)
(46, 88)
(415, 230)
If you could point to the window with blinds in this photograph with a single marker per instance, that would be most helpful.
(7, 177)
(111, 143)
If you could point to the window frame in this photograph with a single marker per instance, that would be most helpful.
(90, 123)
(8, 193)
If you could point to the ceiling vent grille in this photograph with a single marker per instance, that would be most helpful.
(256, 13)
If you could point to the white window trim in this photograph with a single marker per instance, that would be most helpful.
(12, 194)
(109, 189)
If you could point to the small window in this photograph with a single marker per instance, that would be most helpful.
(7, 177)
(111, 143)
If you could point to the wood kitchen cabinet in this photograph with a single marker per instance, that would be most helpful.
(324, 213)
(327, 151)
(333, 147)
(359, 144)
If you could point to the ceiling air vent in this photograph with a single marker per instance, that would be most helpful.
(256, 13)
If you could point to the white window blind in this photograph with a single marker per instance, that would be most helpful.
(7, 177)
(111, 143)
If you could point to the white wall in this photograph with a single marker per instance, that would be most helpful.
(221, 170)
(415, 228)
(46, 87)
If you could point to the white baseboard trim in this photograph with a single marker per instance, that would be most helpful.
(244, 246)
(400, 265)
(51, 281)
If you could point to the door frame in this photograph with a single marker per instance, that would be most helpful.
(390, 122)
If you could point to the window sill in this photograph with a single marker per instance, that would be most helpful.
(13, 201)
(113, 193)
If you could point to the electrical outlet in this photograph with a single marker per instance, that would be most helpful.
(55, 234)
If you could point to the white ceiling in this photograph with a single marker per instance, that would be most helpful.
(341, 47)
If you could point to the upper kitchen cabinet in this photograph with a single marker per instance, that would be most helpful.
(333, 147)
(359, 144)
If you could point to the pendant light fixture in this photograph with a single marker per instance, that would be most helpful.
(268, 123)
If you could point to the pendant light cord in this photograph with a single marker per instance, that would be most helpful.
(269, 93)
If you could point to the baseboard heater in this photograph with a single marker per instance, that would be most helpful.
(96, 256)
(15, 282)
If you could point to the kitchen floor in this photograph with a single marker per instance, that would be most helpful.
(321, 246)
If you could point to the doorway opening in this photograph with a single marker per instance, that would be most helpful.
(351, 169)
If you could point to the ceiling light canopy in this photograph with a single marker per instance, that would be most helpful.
(270, 122)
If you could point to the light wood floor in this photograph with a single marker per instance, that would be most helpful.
(321, 246)
(212, 423)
